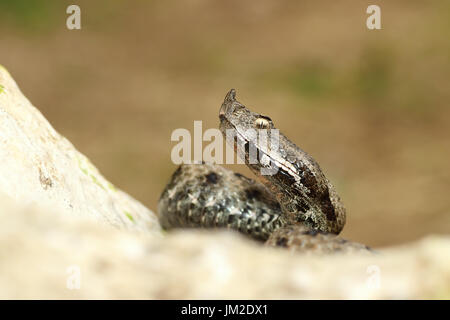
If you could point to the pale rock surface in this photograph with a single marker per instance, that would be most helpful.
(46, 255)
(53, 246)
(39, 165)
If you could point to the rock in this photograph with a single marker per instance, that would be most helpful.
(53, 246)
(49, 256)
(39, 165)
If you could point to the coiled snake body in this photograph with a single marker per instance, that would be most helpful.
(295, 206)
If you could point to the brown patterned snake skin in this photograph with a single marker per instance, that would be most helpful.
(295, 206)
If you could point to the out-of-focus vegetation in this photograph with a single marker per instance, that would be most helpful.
(370, 106)
(31, 16)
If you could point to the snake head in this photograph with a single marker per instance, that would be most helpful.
(293, 176)
(235, 116)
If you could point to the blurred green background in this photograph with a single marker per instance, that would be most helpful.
(370, 106)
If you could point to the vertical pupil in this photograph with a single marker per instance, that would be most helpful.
(261, 123)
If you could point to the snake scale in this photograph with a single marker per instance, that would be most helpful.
(295, 206)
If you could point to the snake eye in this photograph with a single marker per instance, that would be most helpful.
(263, 122)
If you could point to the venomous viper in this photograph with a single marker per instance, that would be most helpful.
(294, 206)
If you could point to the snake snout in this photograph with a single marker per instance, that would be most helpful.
(227, 103)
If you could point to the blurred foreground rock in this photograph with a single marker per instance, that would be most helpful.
(39, 165)
(46, 255)
(53, 246)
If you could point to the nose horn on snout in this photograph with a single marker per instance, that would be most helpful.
(229, 99)
(231, 96)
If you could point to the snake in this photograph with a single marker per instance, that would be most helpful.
(291, 204)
